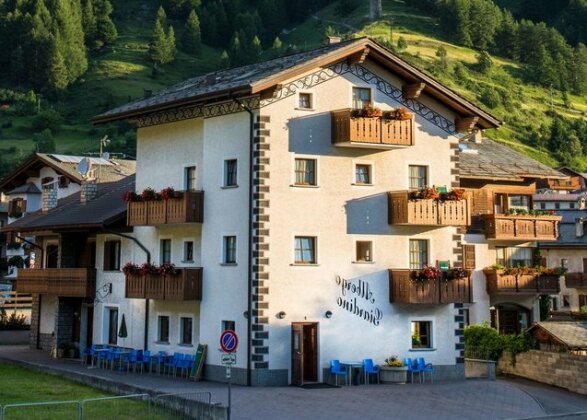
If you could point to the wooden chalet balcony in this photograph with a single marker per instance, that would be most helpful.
(403, 288)
(370, 132)
(186, 285)
(576, 280)
(516, 228)
(564, 184)
(65, 282)
(499, 283)
(189, 208)
(404, 211)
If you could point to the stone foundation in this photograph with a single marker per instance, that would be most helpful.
(559, 369)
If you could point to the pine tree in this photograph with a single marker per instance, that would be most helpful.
(277, 44)
(158, 49)
(89, 22)
(161, 16)
(192, 41)
(224, 60)
(236, 50)
(401, 44)
(17, 66)
(484, 62)
(256, 48)
(106, 32)
(170, 44)
(44, 141)
(57, 77)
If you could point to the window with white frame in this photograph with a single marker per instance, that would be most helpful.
(519, 202)
(364, 251)
(418, 253)
(190, 178)
(305, 101)
(186, 328)
(230, 173)
(421, 334)
(163, 329)
(515, 256)
(165, 251)
(305, 250)
(361, 97)
(228, 326)
(229, 250)
(305, 172)
(188, 251)
(418, 177)
(363, 174)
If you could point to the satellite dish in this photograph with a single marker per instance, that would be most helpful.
(106, 156)
(84, 167)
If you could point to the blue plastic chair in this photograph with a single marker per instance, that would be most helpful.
(416, 369)
(173, 363)
(186, 365)
(426, 368)
(369, 369)
(146, 360)
(337, 370)
(410, 365)
(133, 359)
(158, 360)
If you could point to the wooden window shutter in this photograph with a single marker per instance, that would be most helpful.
(23, 206)
(469, 257)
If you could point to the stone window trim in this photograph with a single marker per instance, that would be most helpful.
(357, 164)
(363, 251)
(305, 171)
(305, 250)
(306, 101)
(423, 331)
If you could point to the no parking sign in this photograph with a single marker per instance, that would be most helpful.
(228, 341)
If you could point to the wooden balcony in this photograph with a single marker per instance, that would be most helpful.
(576, 280)
(186, 285)
(65, 282)
(499, 283)
(370, 132)
(521, 228)
(404, 211)
(403, 288)
(189, 208)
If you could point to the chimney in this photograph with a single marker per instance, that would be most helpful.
(477, 136)
(331, 40)
(89, 191)
(49, 196)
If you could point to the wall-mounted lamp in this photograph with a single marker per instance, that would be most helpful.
(328, 314)
(246, 314)
(281, 315)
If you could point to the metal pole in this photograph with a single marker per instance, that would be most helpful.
(229, 399)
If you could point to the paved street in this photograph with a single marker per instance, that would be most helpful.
(470, 399)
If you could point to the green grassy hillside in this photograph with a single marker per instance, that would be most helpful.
(122, 73)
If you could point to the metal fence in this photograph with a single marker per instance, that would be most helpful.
(192, 405)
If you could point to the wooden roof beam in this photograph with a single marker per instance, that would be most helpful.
(465, 124)
(270, 93)
(413, 91)
(358, 58)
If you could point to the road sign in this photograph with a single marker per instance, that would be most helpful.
(228, 341)
(229, 359)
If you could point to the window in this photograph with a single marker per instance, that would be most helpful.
(519, 202)
(163, 329)
(364, 251)
(361, 97)
(165, 249)
(63, 182)
(111, 255)
(566, 301)
(421, 334)
(418, 254)
(190, 178)
(229, 250)
(363, 174)
(188, 251)
(305, 172)
(418, 177)
(16, 207)
(46, 180)
(305, 101)
(571, 205)
(228, 326)
(230, 166)
(542, 206)
(515, 257)
(113, 326)
(186, 330)
(305, 250)
(557, 206)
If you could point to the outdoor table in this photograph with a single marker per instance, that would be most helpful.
(123, 354)
(352, 365)
(99, 351)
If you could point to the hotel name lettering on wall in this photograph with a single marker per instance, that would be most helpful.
(356, 297)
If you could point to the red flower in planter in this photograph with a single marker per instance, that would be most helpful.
(148, 268)
(130, 197)
(149, 194)
(167, 193)
(167, 269)
(130, 269)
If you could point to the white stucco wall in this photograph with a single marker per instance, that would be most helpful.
(47, 314)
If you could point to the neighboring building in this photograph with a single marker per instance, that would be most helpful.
(63, 282)
(561, 336)
(575, 181)
(505, 233)
(556, 201)
(3, 239)
(306, 242)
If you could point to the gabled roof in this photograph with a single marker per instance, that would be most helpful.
(108, 207)
(554, 197)
(572, 334)
(490, 160)
(28, 188)
(256, 78)
(110, 170)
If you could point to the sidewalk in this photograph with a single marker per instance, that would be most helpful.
(470, 399)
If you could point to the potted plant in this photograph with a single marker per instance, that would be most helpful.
(393, 371)
(63, 349)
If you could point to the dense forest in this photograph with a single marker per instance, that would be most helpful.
(63, 61)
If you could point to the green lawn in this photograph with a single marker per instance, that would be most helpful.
(20, 385)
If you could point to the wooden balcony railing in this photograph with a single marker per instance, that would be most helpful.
(186, 285)
(531, 228)
(499, 283)
(576, 280)
(66, 282)
(403, 288)
(189, 208)
(404, 211)
(370, 131)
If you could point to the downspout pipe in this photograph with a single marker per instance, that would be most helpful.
(251, 239)
(147, 301)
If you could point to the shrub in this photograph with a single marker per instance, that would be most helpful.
(485, 342)
(12, 321)
(47, 119)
